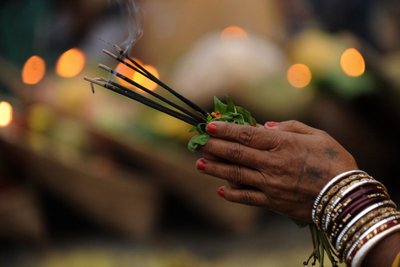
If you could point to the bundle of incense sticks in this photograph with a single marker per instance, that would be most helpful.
(194, 117)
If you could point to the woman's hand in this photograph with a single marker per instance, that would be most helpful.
(282, 166)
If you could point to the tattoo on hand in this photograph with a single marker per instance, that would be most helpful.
(314, 174)
(332, 153)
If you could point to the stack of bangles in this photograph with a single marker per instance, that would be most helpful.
(355, 212)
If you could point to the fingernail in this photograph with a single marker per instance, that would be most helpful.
(211, 128)
(221, 191)
(272, 123)
(201, 164)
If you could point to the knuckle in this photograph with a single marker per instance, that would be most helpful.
(246, 135)
(247, 198)
(235, 152)
(236, 174)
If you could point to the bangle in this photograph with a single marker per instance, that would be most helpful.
(365, 230)
(351, 231)
(332, 195)
(347, 205)
(359, 218)
(326, 187)
(371, 238)
(339, 196)
(339, 221)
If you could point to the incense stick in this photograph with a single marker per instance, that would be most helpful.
(159, 82)
(115, 87)
(197, 118)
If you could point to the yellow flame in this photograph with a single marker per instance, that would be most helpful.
(33, 70)
(231, 32)
(70, 63)
(140, 79)
(299, 75)
(6, 113)
(352, 62)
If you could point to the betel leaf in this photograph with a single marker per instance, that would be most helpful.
(230, 106)
(219, 106)
(222, 112)
(246, 115)
(198, 140)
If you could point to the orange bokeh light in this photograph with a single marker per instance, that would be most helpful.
(33, 70)
(127, 72)
(6, 113)
(140, 79)
(299, 75)
(352, 62)
(70, 63)
(231, 32)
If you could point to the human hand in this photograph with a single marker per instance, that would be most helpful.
(282, 166)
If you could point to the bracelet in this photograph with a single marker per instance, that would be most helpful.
(365, 230)
(346, 207)
(327, 186)
(355, 212)
(359, 218)
(362, 203)
(371, 237)
(351, 232)
(327, 199)
(338, 197)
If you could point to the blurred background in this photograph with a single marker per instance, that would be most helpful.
(94, 179)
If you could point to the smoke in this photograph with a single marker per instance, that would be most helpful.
(131, 12)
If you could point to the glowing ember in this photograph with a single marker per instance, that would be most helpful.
(6, 113)
(140, 79)
(233, 32)
(33, 70)
(352, 62)
(70, 63)
(299, 75)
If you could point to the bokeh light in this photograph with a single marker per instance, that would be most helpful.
(33, 70)
(140, 79)
(299, 75)
(127, 72)
(233, 32)
(352, 62)
(6, 113)
(70, 63)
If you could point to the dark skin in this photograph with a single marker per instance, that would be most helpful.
(282, 166)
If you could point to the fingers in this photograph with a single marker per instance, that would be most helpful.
(243, 196)
(255, 137)
(290, 126)
(237, 153)
(234, 174)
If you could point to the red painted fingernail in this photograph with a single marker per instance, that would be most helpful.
(211, 128)
(272, 123)
(221, 192)
(201, 164)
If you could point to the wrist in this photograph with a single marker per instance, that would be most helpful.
(355, 212)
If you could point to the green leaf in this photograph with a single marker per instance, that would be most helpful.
(230, 105)
(198, 140)
(219, 106)
(246, 115)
